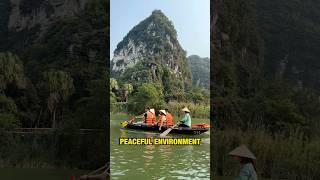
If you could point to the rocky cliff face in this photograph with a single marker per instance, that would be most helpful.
(290, 30)
(153, 42)
(26, 14)
(200, 69)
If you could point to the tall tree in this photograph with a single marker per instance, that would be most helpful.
(60, 86)
(127, 89)
(11, 71)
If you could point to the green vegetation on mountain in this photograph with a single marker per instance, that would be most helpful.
(152, 61)
(200, 70)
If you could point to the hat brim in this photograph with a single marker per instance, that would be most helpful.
(242, 151)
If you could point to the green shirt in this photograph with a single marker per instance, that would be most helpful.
(247, 172)
(186, 120)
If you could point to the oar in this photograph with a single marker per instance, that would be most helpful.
(166, 132)
(133, 118)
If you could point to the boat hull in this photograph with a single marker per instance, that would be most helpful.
(178, 130)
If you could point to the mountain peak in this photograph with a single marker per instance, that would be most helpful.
(156, 25)
(157, 12)
(153, 42)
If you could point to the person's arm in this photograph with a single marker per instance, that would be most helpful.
(161, 122)
(144, 117)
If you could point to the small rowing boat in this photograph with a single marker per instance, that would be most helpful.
(196, 129)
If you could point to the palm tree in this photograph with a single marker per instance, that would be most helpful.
(128, 88)
(60, 89)
(11, 71)
(113, 84)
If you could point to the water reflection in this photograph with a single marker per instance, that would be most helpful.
(148, 152)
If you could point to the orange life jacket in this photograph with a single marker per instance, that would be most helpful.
(169, 119)
(150, 118)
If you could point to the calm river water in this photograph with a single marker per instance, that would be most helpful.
(161, 162)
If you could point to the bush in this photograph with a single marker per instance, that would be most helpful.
(148, 94)
(8, 121)
(197, 110)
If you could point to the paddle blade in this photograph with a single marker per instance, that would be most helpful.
(124, 124)
(166, 132)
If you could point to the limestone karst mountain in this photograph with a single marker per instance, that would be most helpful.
(151, 51)
(200, 69)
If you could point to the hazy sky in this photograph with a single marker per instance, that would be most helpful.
(191, 19)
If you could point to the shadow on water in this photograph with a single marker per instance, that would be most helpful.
(158, 161)
(54, 154)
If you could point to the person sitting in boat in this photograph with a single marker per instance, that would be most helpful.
(162, 119)
(169, 118)
(186, 120)
(150, 119)
(145, 114)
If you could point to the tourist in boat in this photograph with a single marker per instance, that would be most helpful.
(169, 118)
(145, 114)
(246, 159)
(162, 119)
(186, 120)
(149, 116)
(154, 119)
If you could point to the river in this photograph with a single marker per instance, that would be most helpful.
(161, 162)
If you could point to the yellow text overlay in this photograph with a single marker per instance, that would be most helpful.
(159, 141)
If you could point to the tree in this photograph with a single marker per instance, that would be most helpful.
(92, 110)
(60, 86)
(8, 112)
(197, 95)
(11, 71)
(128, 88)
(113, 84)
(148, 94)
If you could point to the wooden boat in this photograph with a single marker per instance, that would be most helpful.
(195, 130)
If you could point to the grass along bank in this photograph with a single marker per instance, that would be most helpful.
(289, 156)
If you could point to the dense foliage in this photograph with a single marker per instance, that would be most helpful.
(263, 80)
(291, 31)
(58, 81)
(4, 18)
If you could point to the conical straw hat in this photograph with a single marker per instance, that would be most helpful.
(242, 151)
(152, 110)
(163, 111)
(185, 109)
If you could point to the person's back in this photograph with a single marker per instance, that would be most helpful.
(187, 119)
(247, 172)
(150, 118)
(169, 119)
